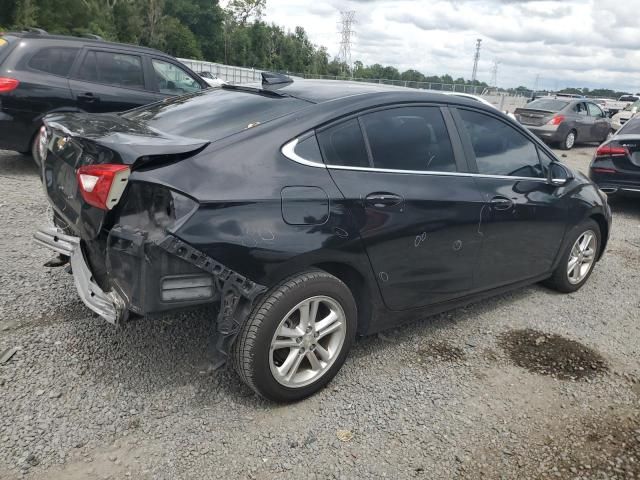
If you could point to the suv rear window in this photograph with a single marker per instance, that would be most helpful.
(214, 114)
(54, 60)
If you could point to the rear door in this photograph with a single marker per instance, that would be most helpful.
(398, 169)
(583, 122)
(110, 81)
(524, 219)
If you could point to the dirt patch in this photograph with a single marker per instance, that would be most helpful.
(550, 354)
(442, 352)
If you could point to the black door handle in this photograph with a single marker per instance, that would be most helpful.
(501, 203)
(383, 200)
(88, 97)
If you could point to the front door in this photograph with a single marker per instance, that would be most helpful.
(417, 218)
(600, 127)
(110, 81)
(524, 220)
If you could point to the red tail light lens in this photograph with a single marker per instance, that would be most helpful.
(8, 84)
(102, 185)
(557, 120)
(611, 151)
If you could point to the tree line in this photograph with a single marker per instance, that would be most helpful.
(199, 29)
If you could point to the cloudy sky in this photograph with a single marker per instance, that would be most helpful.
(582, 43)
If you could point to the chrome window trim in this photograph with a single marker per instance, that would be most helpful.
(288, 150)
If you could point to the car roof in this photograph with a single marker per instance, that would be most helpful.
(45, 37)
(320, 91)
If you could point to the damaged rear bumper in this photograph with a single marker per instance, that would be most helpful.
(154, 275)
(109, 305)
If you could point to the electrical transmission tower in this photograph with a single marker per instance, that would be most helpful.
(535, 86)
(476, 58)
(347, 20)
(494, 74)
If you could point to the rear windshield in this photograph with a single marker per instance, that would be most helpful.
(214, 113)
(632, 127)
(547, 104)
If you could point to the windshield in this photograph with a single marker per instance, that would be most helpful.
(633, 105)
(632, 127)
(215, 113)
(548, 104)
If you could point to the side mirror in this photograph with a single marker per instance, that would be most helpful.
(558, 175)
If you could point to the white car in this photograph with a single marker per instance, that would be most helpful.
(211, 79)
(623, 116)
(479, 99)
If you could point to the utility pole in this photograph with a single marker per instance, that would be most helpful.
(535, 85)
(476, 58)
(347, 19)
(494, 74)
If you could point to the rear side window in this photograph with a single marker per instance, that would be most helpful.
(213, 114)
(410, 138)
(173, 80)
(112, 68)
(499, 148)
(54, 60)
(343, 144)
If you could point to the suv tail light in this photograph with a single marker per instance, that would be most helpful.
(557, 120)
(102, 185)
(8, 84)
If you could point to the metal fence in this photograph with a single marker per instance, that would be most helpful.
(239, 75)
(227, 73)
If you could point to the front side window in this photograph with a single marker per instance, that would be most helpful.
(409, 138)
(112, 68)
(343, 145)
(499, 148)
(594, 110)
(54, 60)
(172, 80)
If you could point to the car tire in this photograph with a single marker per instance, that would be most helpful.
(287, 374)
(569, 278)
(569, 140)
(35, 148)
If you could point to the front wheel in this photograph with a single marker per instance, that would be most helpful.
(578, 259)
(297, 337)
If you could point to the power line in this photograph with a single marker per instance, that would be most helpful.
(347, 19)
(476, 58)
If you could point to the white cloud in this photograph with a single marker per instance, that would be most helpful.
(591, 43)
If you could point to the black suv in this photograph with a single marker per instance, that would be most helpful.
(41, 74)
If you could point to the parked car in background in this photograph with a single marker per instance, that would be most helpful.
(603, 103)
(622, 117)
(41, 74)
(311, 212)
(565, 121)
(211, 79)
(623, 102)
(615, 167)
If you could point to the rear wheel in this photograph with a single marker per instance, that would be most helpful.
(569, 141)
(297, 337)
(578, 259)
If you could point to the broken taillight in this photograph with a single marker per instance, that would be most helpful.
(102, 185)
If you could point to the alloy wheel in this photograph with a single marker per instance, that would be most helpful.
(582, 257)
(570, 140)
(307, 341)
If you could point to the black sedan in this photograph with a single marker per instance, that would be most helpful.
(565, 121)
(311, 212)
(615, 167)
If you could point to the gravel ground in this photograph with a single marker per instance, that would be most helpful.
(461, 395)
